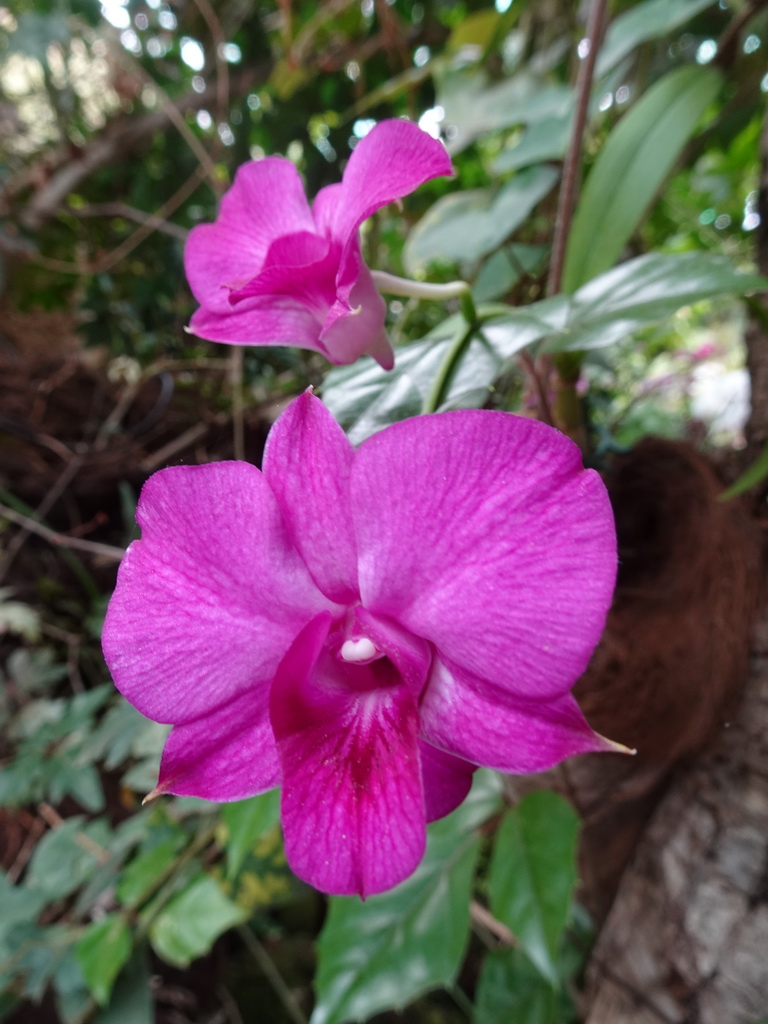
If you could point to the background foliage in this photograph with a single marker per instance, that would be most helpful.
(122, 125)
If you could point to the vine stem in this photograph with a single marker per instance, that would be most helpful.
(569, 187)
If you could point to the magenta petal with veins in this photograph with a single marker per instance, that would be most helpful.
(366, 626)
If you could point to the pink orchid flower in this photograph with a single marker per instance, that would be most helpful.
(272, 271)
(366, 626)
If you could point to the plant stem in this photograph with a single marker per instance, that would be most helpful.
(275, 978)
(436, 395)
(393, 285)
(569, 187)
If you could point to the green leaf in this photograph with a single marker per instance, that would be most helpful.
(364, 398)
(246, 821)
(142, 874)
(66, 856)
(755, 475)
(512, 991)
(192, 921)
(642, 292)
(131, 1001)
(473, 106)
(542, 141)
(386, 951)
(20, 905)
(464, 226)
(533, 874)
(504, 268)
(101, 952)
(644, 21)
(631, 167)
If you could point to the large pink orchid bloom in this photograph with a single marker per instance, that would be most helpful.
(272, 271)
(366, 626)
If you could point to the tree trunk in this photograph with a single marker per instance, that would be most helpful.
(686, 941)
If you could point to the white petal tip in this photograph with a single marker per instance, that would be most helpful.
(156, 792)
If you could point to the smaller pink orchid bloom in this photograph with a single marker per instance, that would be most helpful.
(366, 626)
(272, 271)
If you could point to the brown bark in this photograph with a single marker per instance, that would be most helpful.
(686, 941)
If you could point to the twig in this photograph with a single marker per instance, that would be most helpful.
(222, 75)
(152, 223)
(55, 820)
(539, 381)
(485, 919)
(27, 848)
(150, 464)
(275, 978)
(569, 187)
(236, 381)
(60, 539)
(126, 212)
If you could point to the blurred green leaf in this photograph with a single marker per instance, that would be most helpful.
(464, 226)
(540, 142)
(101, 952)
(505, 268)
(755, 475)
(630, 168)
(384, 952)
(533, 874)
(246, 821)
(644, 21)
(131, 1001)
(143, 872)
(192, 921)
(512, 991)
(66, 856)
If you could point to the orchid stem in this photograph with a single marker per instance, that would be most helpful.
(393, 285)
(436, 395)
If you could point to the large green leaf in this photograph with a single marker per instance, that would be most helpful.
(533, 874)
(644, 291)
(644, 21)
(364, 398)
(512, 991)
(386, 951)
(192, 921)
(101, 952)
(633, 164)
(641, 292)
(464, 226)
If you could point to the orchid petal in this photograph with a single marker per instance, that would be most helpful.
(228, 754)
(481, 533)
(352, 804)
(234, 249)
(210, 598)
(301, 265)
(392, 160)
(262, 320)
(354, 325)
(307, 461)
(472, 719)
(447, 780)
